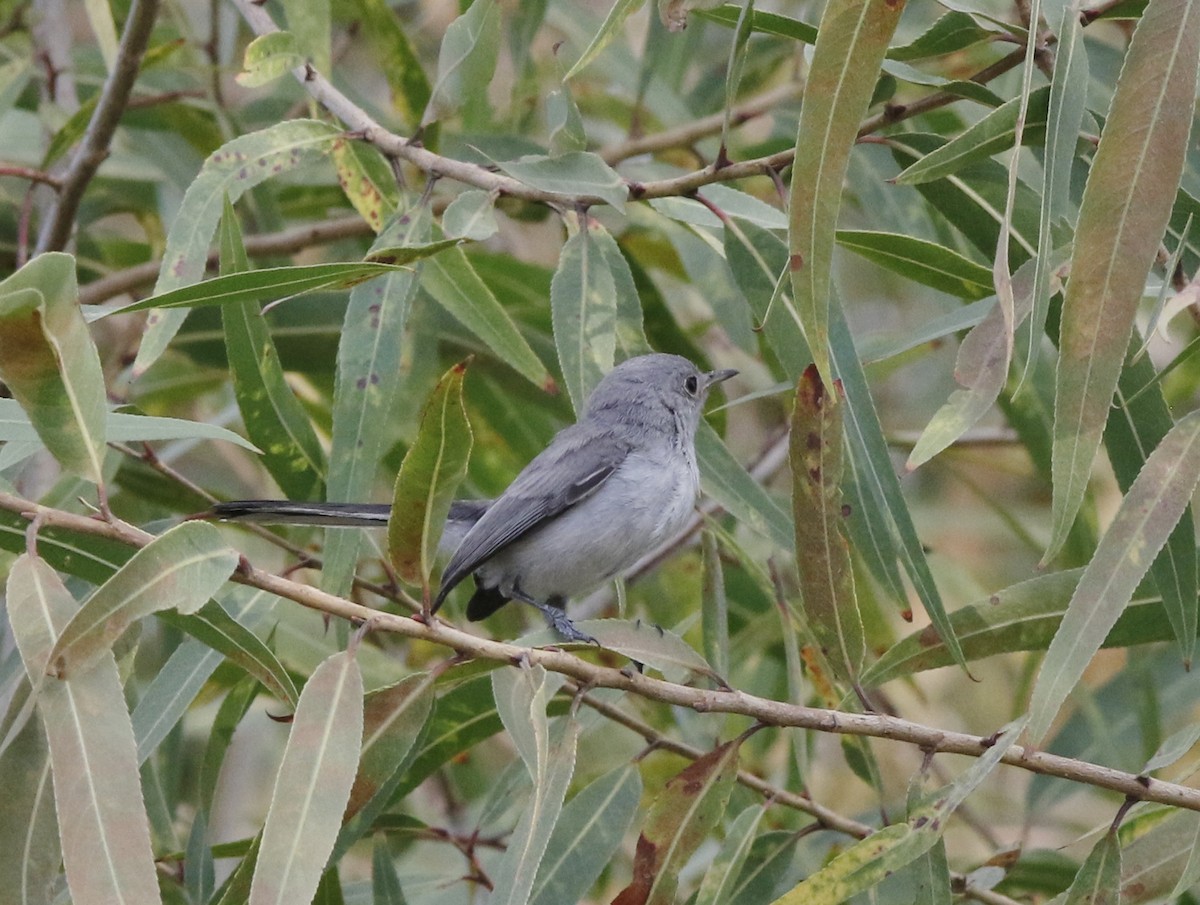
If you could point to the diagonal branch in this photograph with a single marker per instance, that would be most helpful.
(56, 230)
(764, 710)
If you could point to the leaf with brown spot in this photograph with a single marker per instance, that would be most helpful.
(683, 814)
(822, 553)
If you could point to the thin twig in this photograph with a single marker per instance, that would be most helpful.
(33, 175)
(762, 710)
(56, 229)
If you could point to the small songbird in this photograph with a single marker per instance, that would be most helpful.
(606, 491)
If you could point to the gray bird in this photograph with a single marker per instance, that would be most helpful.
(606, 491)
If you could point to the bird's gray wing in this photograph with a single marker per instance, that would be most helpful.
(570, 469)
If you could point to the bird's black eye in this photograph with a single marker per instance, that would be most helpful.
(692, 385)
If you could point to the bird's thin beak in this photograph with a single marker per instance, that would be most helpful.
(715, 377)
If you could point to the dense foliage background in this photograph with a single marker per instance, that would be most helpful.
(279, 249)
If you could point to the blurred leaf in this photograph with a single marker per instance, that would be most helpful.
(727, 866)
(714, 605)
(1125, 208)
(992, 135)
(822, 554)
(452, 281)
(850, 46)
(309, 21)
(49, 362)
(106, 842)
(100, 18)
(922, 261)
(574, 173)
(770, 859)
(268, 57)
(273, 416)
(466, 60)
(385, 884)
(683, 814)
(586, 836)
(736, 66)
(471, 215)
(434, 466)
(1173, 748)
(1152, 507)
(766, 23)
(564, 122)
(199, 876)
(1153, 863)
(621, 10)
(180, 569)
(229, 716)
(237, 166)
(398, 61)
(312, 785)
(583, 299)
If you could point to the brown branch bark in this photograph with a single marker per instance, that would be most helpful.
(763, 710)
(60, 221)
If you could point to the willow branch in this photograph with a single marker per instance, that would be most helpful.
(764, 710)
(92, 150)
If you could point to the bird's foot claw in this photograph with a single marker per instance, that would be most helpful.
(565, 627)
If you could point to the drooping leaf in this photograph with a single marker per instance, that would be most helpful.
(312, 785)
(103, 826)
(268, 57)
(583, 299)
(572, 174)
(49, 362)
(920, 260)
(682, 815)
(466, 60)
(1126, 204)
(851, 42)
(621, 10)
(822, 554)
(1151, 509)
(433, 468)
(1098, 881)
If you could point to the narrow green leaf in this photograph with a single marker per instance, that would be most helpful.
(232, 169)
(455, 285)
(367, 180)
(727, 482)
(952, 32)
(433, 468)
(100, 18)
(1098, 881)
(180, 569)
(521, 698)
(394, 719)
(268, 57)
(621, 10)
(587, 835)
(199, 874)
(1153, 864)
(262, 286)
(714, 605)
(50, 364)
(466, 60)
(105, 834)
(737, 63)
(1136, 427)
(1152, 507)
(385, 882)
(922, 261)
(398, 61)
(271, 413)
(650, 645)
(989, 136)
(1125, 208)
(822, 554)
(369, 376)
(310, 22)
(471, 215)
(719, 879)
(762, 22)
(864, 864)
(312, 785)
(564, 122)
(851, 42)
(683, 814)
(215, 628)
(230, 714)
(583, 300)
(575, 173)
(29, 848)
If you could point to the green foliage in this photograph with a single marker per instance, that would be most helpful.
(290, 222)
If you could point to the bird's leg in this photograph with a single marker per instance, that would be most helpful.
(556, 617)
